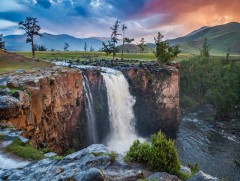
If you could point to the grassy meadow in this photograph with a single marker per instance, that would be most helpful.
(71, 55)
(10, 62)
(82, 56)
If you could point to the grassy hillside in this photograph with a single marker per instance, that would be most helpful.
(220, 38)
(10, 62)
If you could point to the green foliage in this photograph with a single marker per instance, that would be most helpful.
(142, 45)
(112, 156)
(31, 28)
(194, 168)
(205, 49)
(164, 52)
(111, 48)
(66, 46)
(2, 43)
(187, 102)
(159, 155)
(2, 137)
(40, 47)
(23, 150)
(208, 80)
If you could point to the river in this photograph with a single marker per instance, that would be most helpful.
(216, 151)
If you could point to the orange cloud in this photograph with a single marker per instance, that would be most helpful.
(193, 14)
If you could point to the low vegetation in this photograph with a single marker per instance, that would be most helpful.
(10, 62)
(158, 155)
(23, 150)
(1, 137)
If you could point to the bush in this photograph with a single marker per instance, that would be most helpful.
(158, 155)
(1, 137)
(24, 150)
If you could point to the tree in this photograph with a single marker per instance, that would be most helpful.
(91, 49)
(124, 27)
(85, 46)
(111, 46)
(164, 52)
(205, 48)
(124, 39)
(227, 56)
(2, 43)
(142, 45)
(40, 47)
(66, 46)
(31, 28)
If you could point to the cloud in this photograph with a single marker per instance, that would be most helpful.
(44, 3)
(144, 18)
(192, 14)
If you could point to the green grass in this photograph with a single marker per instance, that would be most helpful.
(94, 56)
(10, 62)
(82, 56)
(25, 151)
(2, 137)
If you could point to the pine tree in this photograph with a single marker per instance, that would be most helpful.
(205, 48)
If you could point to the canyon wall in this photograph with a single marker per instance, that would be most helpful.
(157, 99)
(49, 104)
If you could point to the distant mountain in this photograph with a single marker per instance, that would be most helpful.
(220, 38)
(56, 42)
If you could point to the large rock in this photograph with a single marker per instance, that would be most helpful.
(9, 107)
(201, 176)
(90, 164)
(163, 176)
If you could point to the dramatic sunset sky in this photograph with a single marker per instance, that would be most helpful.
(144, 18)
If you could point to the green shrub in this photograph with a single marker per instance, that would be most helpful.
(112, 156)
(187, 102)
(23, 150)
(1, 137)
(158, 155)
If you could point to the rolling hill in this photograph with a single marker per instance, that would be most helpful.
(221, 38)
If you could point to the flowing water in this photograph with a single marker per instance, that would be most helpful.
(217, 152)
(8, 161)
(92, 136)
(121, 115)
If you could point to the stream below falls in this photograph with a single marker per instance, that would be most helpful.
(215, 150)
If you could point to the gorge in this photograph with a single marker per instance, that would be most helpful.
(71, 108)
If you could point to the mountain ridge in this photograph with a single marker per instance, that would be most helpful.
(221, 38)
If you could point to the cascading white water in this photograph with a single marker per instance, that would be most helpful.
(121, 115)
(91, 119)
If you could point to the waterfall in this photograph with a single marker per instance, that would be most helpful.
(120, 103)
(91, 119)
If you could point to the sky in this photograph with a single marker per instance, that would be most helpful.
(144, 18)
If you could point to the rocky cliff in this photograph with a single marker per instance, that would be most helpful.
(47, 105)
(157, 99)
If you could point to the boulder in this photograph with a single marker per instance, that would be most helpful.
(163, 176)
(185, 170)
(9, 107)
(50, 154)
(201, 176)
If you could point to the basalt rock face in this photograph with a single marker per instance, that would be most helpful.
(157, 99)
(48, 105)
